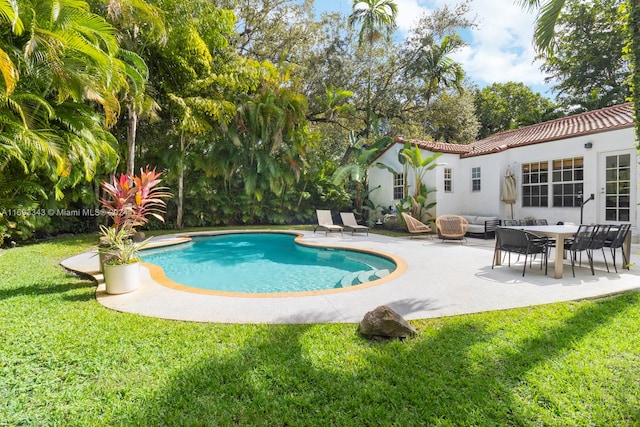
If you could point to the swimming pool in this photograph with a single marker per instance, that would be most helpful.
(265, 263)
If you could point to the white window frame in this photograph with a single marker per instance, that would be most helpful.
(398, 186)
(448, 180)
(567, 181)
(476, 178)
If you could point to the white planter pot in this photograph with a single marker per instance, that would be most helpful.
(120, 279)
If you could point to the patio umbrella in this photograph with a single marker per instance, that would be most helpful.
(509, 188)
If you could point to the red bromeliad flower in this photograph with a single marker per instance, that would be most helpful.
(130, 200)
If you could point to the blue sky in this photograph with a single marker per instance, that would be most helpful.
(500, 49)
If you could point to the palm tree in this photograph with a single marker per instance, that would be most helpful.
(72, 52)
(138, 23)
(58, 73)
(9, 12)
(548, 13)
(377, 19)
(434, 66)
(438, 69)
(66, 59)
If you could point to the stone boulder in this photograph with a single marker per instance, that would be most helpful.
(384, 323)
(138, 237)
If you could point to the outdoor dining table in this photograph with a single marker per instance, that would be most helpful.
(560, 233)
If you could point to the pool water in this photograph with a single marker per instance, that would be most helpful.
(264, 263)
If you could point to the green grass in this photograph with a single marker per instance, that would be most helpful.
(66, 360)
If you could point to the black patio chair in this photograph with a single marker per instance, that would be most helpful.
(510, 222)
(521, 242)
(598, 242)
(615, 239)
(588, 239)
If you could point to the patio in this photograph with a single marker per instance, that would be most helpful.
(442, 279)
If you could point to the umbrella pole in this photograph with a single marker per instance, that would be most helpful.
(511, 205)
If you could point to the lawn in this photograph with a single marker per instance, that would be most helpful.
(66, 360)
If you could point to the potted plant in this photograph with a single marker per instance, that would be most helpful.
(130, 201)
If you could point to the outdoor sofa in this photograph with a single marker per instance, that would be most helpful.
(482, 226)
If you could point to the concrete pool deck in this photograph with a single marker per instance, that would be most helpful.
(441, 279)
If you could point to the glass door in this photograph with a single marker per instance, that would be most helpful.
(616, 187)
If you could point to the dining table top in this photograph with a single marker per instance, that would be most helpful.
(548, 229)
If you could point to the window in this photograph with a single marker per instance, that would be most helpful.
(475, 179)
(535, 184)
(448, 180)
(398, 186)
(568, 177)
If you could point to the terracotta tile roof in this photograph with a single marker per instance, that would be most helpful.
(605, 119)
(436, 147)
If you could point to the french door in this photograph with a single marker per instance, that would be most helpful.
(617, 187)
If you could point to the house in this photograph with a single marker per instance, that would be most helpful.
(557, 165)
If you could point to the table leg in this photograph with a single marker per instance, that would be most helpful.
(626, 250)
(558, 262)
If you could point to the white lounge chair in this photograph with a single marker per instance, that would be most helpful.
(325, 222)
(350, 224)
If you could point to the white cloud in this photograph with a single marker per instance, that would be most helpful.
(500, 49)
(409, 12)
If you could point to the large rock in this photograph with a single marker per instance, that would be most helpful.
(383, 322)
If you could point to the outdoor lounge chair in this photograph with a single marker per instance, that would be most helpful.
(350, 224)
(452, 227)
(414, 226)
(325, 222)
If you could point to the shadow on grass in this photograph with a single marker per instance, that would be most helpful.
(34, 270)
(68, 290)
(293, 375)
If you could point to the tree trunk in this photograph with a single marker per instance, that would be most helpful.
(180, 184)
(368, 119)
(131, 138)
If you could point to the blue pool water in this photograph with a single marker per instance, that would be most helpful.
(264, 263)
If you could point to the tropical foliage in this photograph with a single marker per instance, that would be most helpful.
(355, 173)
(417, 200)
(597, 77)
(60, 72)
(505, 106)
(545, 32)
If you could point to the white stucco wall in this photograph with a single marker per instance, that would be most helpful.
(488, 202)
(603, 143)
